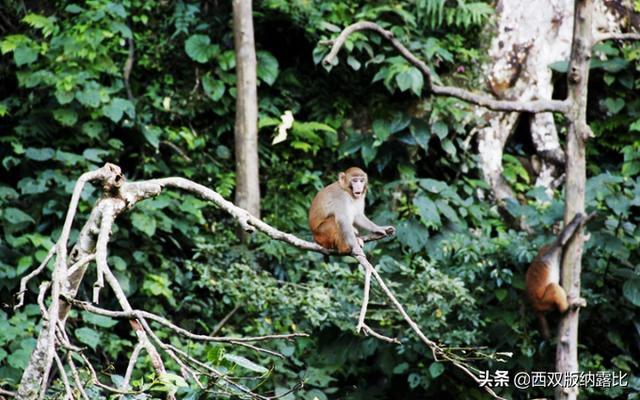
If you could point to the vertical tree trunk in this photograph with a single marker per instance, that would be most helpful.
(246, 129)
(579, 131)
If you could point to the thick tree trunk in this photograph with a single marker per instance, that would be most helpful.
(579, 132)
(529, 37)
(246, 129)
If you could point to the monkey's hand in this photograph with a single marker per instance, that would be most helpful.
(580, 302)
(386, 230)
(357, 250)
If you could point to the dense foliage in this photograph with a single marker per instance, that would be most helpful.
(456, 265)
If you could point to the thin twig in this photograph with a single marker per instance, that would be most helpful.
(224, 320)
(365, 299)
(63, 375)
(8, 393)
(437, 351)
(140, 314)
(132, 363)
(128, 66)
(24, 281)
(76, 376)
(600, 37)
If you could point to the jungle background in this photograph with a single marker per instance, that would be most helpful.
(457, 263)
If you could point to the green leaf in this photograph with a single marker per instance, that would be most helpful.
(66, 116)
(152, 135)
(417, 80)
(42, 154)
(74, 9)
(267, 67)
(432, 185)
(414, 380)
(200, 49)
(560, 66)
(631, 291)
(116, 109)
(436, 369)
(11, 42)
(420, 132)
(401, 368)
(614, 105)
(353, 63)
(19, 359)
(40, 22)
(92, 129)
(144, 223)
(117, 10)
(89, 96)
(99, 320)
(213, 88)
(440, 129)
(404, 80)
(24, 55)
(427, 210)
(94, 155)
(64, 97)
(245, 363)
(88, 336)
(223, 152)
(215, 353)
(446, 210)
(449, 147)
(15, 216)
(381, 129)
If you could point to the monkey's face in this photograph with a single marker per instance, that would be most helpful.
(358, 186)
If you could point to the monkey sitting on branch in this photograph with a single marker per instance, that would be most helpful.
(337, 208)
(542, 279)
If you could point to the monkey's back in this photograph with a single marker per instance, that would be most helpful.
(324, 205)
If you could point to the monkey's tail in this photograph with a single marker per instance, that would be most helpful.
(544, 326)
(571, 229)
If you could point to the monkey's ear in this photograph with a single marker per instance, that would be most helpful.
(342, 178)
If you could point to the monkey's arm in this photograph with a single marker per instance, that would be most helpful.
(348, 235)
(361, 221)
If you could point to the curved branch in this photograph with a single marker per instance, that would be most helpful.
(536, 106)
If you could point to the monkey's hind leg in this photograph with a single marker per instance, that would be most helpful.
(554, 297)
(326, 234)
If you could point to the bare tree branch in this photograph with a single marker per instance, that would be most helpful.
(24, 281)
(438, 352)
(484, 100)
(602, 36)
(120, 196)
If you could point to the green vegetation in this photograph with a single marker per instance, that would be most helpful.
(456, 263)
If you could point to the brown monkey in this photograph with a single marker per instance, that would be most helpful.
(543, 275)
(337, 208)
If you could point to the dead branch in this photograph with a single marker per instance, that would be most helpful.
(535, 106)
(140, 314)
(7, 393)
(439, 354)
(120, 196)
(602, 36)
(128, 67)
(224, 320)
(24, 281)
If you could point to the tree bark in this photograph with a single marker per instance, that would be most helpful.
(246, 129)
(579, 132)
